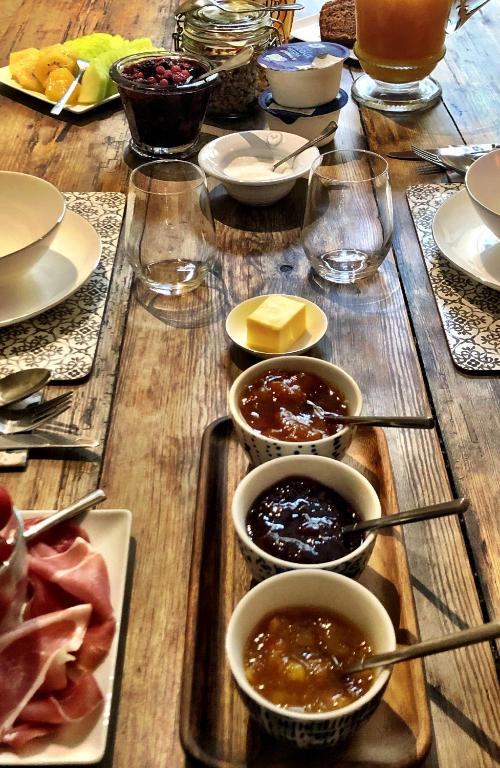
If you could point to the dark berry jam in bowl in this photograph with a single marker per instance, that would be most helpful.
(288, 514)
(270, 405)
(164, 107)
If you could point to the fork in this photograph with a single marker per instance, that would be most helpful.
(13, 421)
(458, 163)
(59, 105)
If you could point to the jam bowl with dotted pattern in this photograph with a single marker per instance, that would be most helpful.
(272, 408)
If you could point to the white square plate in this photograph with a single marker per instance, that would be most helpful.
(77, 109)
(85, 743)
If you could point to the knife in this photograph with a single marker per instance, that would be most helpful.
(465, 149)
(42, 439)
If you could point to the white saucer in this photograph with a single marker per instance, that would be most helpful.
(464, 240)
(316, 325)
(67, 265)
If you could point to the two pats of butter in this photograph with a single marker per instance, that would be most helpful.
(276, 324)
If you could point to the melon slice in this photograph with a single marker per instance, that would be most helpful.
(94, 83)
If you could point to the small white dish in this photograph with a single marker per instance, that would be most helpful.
(306, 29)
(65, 267)
(267, 146)
(482, 182)
(316, 325)
(85, 743)
(77, 109)
(466, 242)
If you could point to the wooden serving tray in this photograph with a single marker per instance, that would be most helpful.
(214, 725)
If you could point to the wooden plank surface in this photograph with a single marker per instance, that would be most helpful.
(171, 382)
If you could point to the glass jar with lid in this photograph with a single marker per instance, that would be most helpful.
(218, 32)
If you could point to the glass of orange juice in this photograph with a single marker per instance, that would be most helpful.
(398, 43)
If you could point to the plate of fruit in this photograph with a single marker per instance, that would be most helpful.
(46, 73)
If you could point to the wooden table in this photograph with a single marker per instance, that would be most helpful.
(155, 387)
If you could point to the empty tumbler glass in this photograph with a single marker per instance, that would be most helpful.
(169, 229)
(347, 227)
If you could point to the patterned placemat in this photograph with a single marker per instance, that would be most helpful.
(64, 339)
(470, 312)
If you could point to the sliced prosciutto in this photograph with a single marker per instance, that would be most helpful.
(80, 571)
(27, 653)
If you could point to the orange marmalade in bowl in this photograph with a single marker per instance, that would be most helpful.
(294, 658)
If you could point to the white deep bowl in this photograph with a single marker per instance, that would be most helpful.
(307, 123)
(264, 145)
(313, 589)
(304, 74)
(31, 210)
(482, 182)
(261, 448)
(346, 481)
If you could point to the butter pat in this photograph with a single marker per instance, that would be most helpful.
(276, 324)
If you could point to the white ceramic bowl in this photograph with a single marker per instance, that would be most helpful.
(482, 182)
(346, 481)
(316, 325)
(269, 146)
(315, 589)
(304, 74)
(31, 211)
(307, 123)
(261, 448)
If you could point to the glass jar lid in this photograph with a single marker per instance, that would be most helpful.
(221, 30)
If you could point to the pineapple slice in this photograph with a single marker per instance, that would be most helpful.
(23, 69)
(53, 57)
(16, 56)
(58, 83)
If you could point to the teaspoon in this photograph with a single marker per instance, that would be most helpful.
(238, 60)
(330, 128)
(64, 514)
(16, 386)
(410, 516)
(488, 631)
(412, 422)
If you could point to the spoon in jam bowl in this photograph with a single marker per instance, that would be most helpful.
(411, 422)
(238, 60)
(452, 507)
(479, 634)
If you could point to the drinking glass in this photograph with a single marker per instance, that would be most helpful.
(169, 230)
(398, 43)
(348, 219)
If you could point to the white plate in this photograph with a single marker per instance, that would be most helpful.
(307, 29)
(78, 109)
(316, 324)
(109, 531)
(464, 240)
(67, 265)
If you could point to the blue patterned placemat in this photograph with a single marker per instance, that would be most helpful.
(64, 339)
(470, 312)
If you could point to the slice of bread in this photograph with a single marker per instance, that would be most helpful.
(337, 22)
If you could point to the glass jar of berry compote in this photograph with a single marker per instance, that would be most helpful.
(218, 32)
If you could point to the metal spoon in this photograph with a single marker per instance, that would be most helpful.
(59, 105)
(16, 386)
(412, 422)
(238, 60)
(64, 514)
(488, 631)
(330, 128)
(191, 5)
(410, 516)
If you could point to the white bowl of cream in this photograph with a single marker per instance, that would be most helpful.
(243, 163)
(304, 74)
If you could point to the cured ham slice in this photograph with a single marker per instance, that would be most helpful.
(80, 571)
(78, 700)
(19, 735)
(31, 649)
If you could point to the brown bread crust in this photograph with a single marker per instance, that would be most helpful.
(337, 22)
